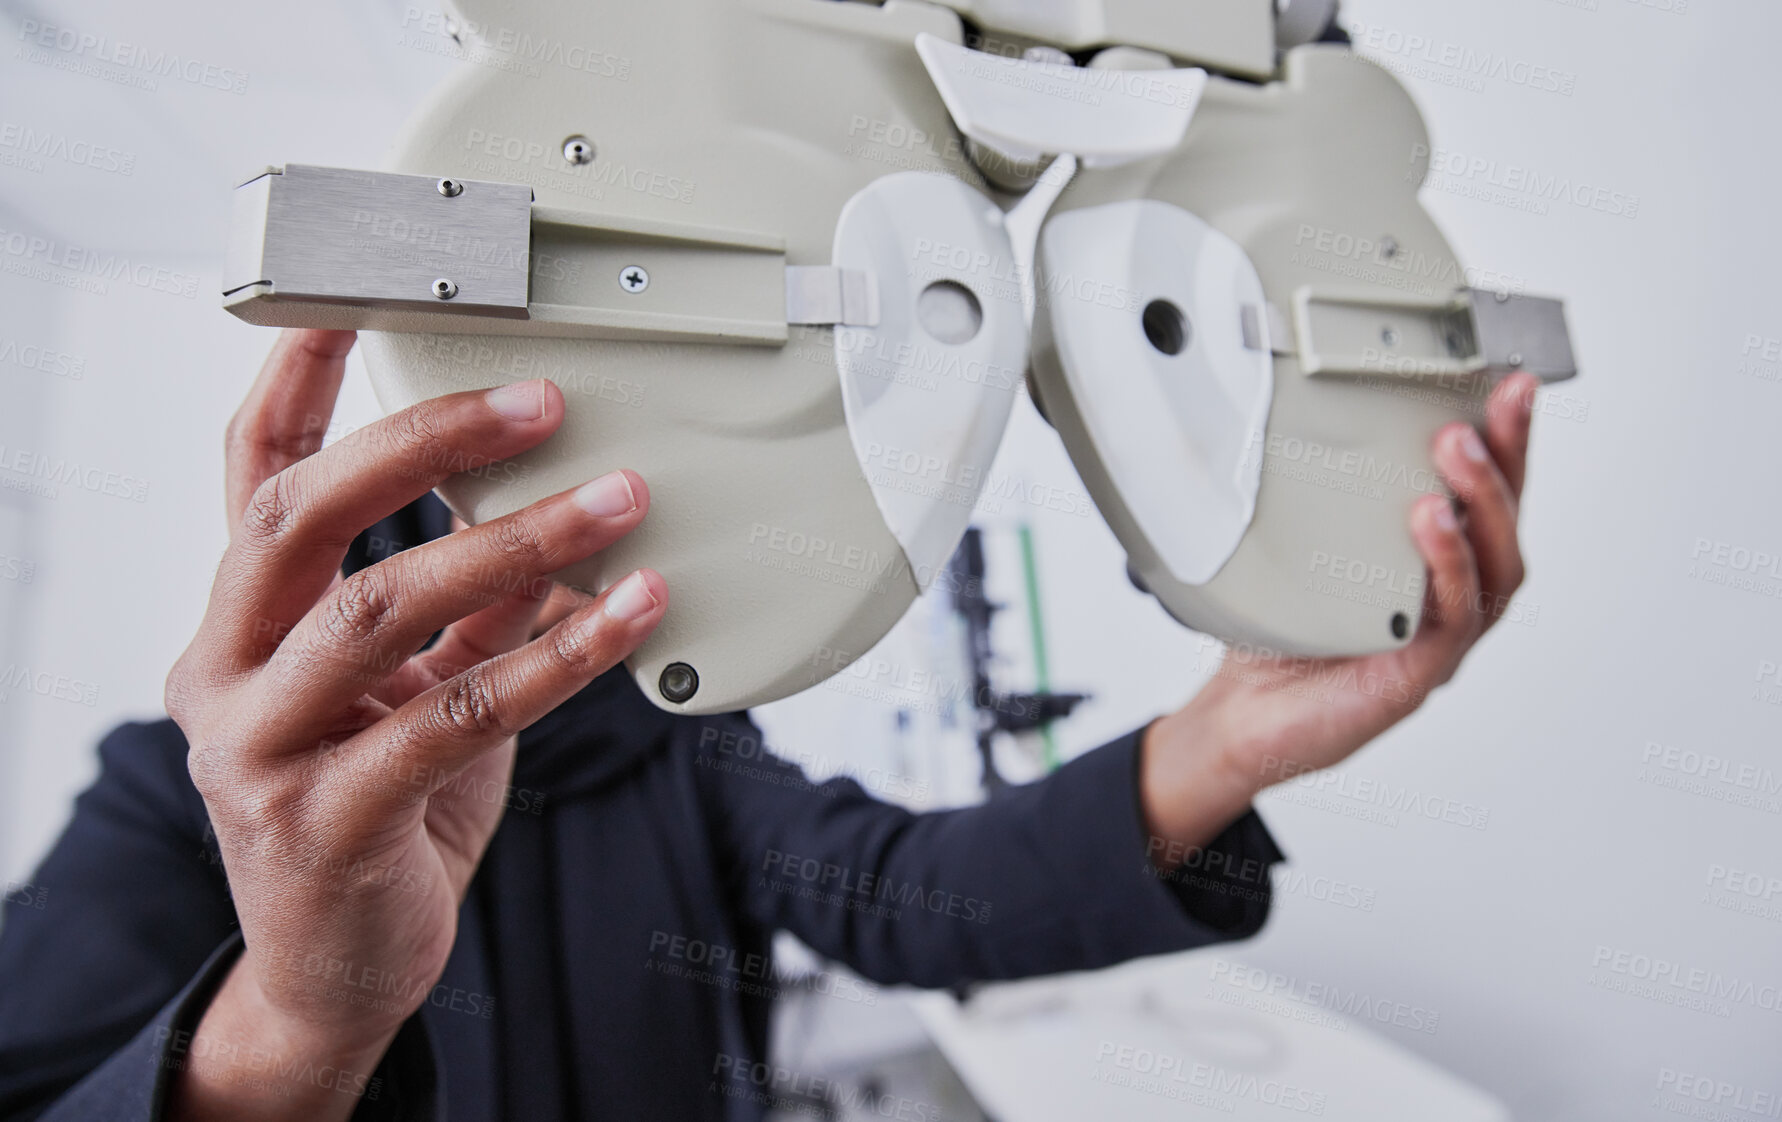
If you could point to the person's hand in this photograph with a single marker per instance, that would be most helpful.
(1266, 718)
(353, 780)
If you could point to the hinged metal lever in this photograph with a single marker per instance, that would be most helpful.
(1370, 335)
(331, 247)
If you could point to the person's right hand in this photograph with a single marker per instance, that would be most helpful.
(322, 736)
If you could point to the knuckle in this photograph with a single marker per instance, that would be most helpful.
(234, 439)
(200, 763)
(192, 689)
(272, 513)
(417, 434)
(359, 611)
(176, 693)
(1439, 667)
(267, 817)
(261, 810)
(248, 439)
(209, 766)
(519, 545)
(577, 652)
(468, 704)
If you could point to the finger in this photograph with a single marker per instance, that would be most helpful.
(299, 524)
(286, 413)
(363, 631)
(495, 630)
(435, 736)
(1508, 415)
(461, 818)
(1450, 622)
(1491, 508)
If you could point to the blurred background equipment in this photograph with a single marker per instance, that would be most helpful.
(1001, 710)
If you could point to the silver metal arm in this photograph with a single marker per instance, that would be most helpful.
(331, 247)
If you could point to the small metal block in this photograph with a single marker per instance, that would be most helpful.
(381, 240)
(1523, 333)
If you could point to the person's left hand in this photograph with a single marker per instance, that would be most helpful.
(1272, 717)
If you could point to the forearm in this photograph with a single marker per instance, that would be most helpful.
(1194, 778)
(1046, 877)
(247, 1060)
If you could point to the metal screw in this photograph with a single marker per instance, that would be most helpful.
(578, 150)
(679, 682)
(1515, 358)
(444, 289)
(1389, 247)
(634, 279)
(1389, 336)
(1503, 297)
(450, 188)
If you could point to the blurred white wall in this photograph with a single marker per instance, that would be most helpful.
(1623, 745)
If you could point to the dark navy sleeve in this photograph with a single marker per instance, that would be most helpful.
(131, 1083)
(115, 923)
(1050, 877)
(110, 953)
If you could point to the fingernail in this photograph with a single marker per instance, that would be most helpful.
(1472, 447)
(630, 598)
(607, 497)
(1525, 399)
(522, 401)
(1444, 517)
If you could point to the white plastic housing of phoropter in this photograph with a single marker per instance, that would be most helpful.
(781, 257)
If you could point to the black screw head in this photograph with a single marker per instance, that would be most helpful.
(679, 682)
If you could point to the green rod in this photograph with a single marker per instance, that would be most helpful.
(1036, 626)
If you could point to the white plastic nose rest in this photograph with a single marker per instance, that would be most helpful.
(1027, 109)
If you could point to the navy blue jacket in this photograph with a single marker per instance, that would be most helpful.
(613, 954)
